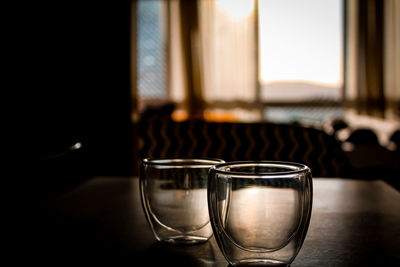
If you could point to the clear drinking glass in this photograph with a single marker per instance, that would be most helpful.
(174, 198)
(260, 211)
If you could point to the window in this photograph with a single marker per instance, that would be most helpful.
(301, 48)
(151, 56)
(301, 58)
(299, 54)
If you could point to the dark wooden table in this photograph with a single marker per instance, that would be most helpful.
(354, 223)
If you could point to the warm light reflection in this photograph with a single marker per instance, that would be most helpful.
(237, 9)
(251, 192)
(263, 217)
(76, 146)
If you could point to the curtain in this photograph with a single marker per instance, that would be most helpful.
(372, 67)
(229, 46)
(392, 58)
(213, 54)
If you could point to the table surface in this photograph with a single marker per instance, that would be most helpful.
(353, 223)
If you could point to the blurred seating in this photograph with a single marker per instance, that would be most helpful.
(395, 139)
(363, 137)
(159, 136)
(371, 160)
(336, 125)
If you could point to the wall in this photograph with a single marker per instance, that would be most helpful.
(73, 69)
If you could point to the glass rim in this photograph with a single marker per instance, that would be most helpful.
(182, 162)
(293, 168)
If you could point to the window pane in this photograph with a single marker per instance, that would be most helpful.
(311, 115)
(301, 44)
(151, 53)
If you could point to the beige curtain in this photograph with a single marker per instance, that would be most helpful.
(392, 58)
(229, 51)
(213, 54)
(372, 67)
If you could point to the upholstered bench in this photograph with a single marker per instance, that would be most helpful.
(162, 137)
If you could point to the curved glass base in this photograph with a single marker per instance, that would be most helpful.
(260, 262)
(184, 240)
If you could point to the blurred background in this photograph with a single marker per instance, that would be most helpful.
(96, 73)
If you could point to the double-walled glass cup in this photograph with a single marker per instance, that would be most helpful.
(174, 198)
(260, 211)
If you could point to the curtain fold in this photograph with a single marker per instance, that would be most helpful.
(392, 58)
(370, 54)
(373, 56)
(213, 54)
(191, 50)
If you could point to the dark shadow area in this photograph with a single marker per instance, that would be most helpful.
(170, 256)
(72, 67)
(75, 75)
(73, 86)
(370, 160)
(250, 265)
(51, 240)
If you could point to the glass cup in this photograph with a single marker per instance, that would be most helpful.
(174, 198)
(260, 211)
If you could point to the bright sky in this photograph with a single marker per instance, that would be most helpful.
(301, 41)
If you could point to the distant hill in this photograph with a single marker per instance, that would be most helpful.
(294, 92)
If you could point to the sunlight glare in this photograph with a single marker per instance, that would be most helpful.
(237, 9)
